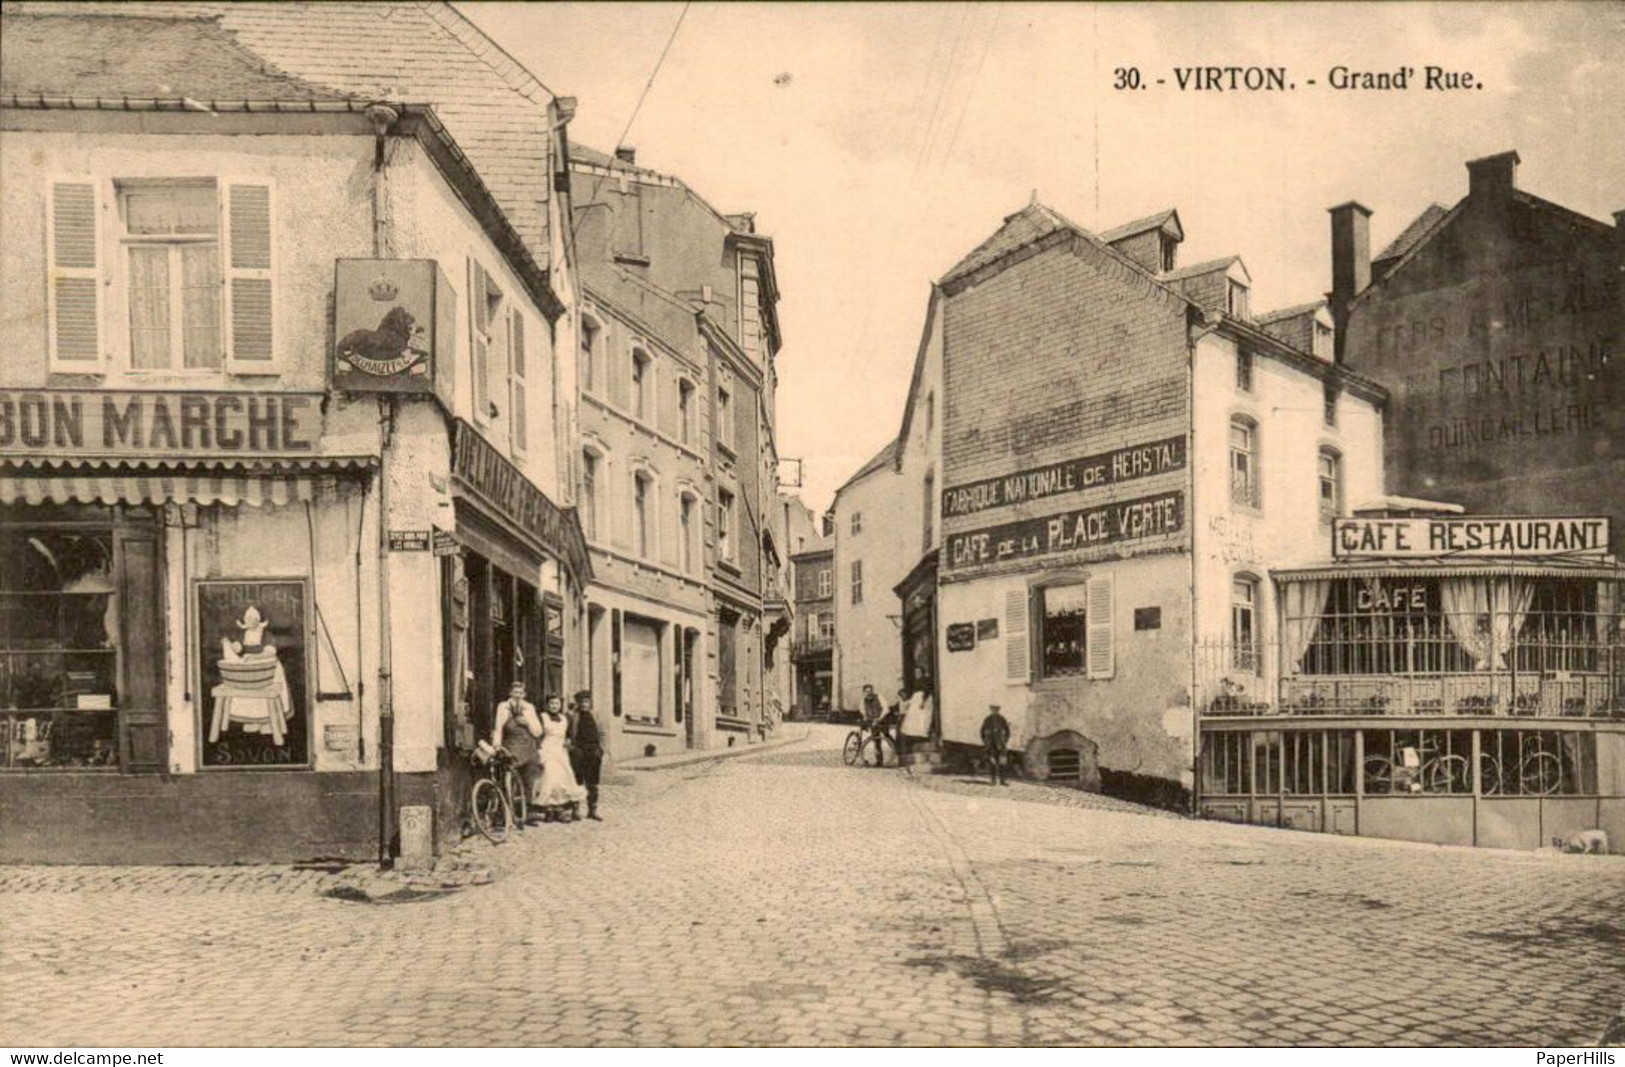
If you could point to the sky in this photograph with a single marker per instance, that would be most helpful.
(879, 143)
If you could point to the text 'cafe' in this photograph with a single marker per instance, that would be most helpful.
(1445, 678)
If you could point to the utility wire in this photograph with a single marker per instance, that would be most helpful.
(637, 107)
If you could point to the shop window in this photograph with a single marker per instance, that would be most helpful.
(1246, 650)
(1435, 762)
(59, 638)
(1063, 637)
(1244, 370)
(1563, 630)
(728, 664)
(857, 581)
(640, 668)
(1226, 764)
(1244, 473)
(1331, 484)
(587, 360)
(1537, 763)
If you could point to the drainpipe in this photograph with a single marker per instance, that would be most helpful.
(382, 118)
(1194, 336)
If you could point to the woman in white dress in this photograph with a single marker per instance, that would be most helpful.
(558, 788)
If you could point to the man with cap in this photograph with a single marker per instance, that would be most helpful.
(587, 750)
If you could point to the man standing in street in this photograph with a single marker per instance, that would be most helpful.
(995, 744)
(587, 751)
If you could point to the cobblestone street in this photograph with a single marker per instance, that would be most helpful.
(783, 898)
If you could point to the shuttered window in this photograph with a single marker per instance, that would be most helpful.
(518, 426)
(1017, 650)
(485, 328)
(74, 315)
(172, 280)
(249, 278)
(1102, 654)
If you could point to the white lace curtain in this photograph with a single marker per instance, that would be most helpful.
(1305, 603)
(1486, 615)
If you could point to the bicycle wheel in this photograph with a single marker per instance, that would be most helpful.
(1379, 775)
(1489, 775)
(492, 813)
(1449, 774)
(1541, 774)
(518, 803)
(873, 752)
(853, 747)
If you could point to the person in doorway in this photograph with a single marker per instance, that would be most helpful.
(587, 751)
(996, 744)
(516, 730)
(558, 792)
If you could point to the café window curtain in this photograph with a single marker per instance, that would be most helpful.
(1304, 605)
(1485, 615)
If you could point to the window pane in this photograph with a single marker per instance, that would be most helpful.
(149, 306)
(200, 295)
(173, 210)
(1064, 629)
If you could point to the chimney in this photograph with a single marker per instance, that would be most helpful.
(1492, 176)
(1351, 263)
(627, 154)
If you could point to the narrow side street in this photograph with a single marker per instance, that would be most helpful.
(864, 908)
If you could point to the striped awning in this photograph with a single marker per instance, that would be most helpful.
(1466, 567)
(226, 483)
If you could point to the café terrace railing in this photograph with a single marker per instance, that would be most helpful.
(1560, 666)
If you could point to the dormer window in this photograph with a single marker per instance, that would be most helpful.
(1323, 341)
(1235, 301)
(1169, 247)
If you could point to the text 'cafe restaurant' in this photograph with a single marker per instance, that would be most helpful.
(1442, 678)
(190, 618)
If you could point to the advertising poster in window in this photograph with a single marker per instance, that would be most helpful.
(250, 653)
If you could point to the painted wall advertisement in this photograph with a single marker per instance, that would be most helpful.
(1102, 524)
(1067, 476)
(251, 661)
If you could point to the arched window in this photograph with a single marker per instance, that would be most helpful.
(688, 531)
(1245, 646)
(643, 517)
(1244, 471)
(586, 365)
(642, 385)
(593, 473)
(1331, 484)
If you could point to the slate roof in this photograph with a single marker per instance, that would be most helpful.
(1150, 222)
(882, 458)
(1289, 313)
(1022, 228)
(115, 57)
(413, 52)
(1413, 234)
(1197, 269)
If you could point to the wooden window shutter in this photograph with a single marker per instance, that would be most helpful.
(479, 326)
(142, 715)
(1017, 645)
(248, 276)
(518, 426)
(1101, 655)
(74, 315)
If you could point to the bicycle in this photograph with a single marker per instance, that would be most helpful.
(1540, 773)
(1438, 773)
(496, 801)
(867, 742)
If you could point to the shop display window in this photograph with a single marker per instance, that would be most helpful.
(59, 636)
(1063, 639)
